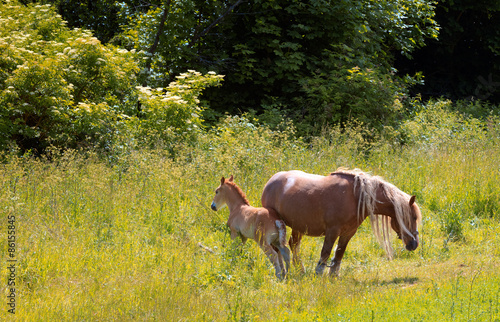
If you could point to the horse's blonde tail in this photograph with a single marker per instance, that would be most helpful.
(280, 224)
(380, 228)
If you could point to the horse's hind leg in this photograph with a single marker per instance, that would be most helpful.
(339, 253)
(330, 237)
(294, 243)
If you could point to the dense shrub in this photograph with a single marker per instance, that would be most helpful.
(436, 122)
(173, 114)
(346, 94)
(63, 88)
(58, 86)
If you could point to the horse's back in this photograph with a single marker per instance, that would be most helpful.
(286, 183)
(310, 203)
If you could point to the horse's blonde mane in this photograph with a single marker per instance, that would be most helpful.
(367, 187)
(238, 190)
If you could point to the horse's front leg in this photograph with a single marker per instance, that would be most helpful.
(339, 253)
(243, 240)
(235, 233)
(330, 237)
(294, 243)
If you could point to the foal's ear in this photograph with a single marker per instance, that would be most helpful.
(231, 178)
(222, 180)
(412, 200)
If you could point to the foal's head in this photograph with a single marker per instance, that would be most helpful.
(410, 220)
(220, 198)
(226, 193)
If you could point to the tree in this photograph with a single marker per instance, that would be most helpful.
(322, 62)
(465, 61)
(274, 52)
(58, 86)
(99, 16)
(280, 56)
(175, 36)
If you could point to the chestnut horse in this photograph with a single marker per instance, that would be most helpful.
(336, 205)
(261, 224)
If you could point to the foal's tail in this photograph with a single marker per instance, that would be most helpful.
(280, 224)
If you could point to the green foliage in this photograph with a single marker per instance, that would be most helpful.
(170, 23)
(58, 86)
(236, 144)
(401, 25)
(99, 16)
(173, 114)
(355, 80)
(63, 88)
(366, 95)
(379, 30)
(436, 122)
(268, 50)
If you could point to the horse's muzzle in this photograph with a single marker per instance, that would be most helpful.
(213, 206)
(412, 245)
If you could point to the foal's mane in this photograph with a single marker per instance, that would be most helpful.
(367, 186)
(238, 191)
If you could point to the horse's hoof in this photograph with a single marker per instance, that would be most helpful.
(320, 268)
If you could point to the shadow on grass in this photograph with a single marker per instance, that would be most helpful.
(400, 280)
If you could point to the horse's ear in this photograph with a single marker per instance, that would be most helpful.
(222, 180)
(412, 200)
(231, 178)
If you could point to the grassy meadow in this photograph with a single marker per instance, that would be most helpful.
(135, 239)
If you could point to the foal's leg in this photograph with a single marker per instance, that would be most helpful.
(285, 255)
(294, 243)
(280, 258)
(339, 253)
(273, 257)
(235, 234)
(243, 242)
(330, 237)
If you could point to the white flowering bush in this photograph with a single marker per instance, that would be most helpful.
(58, 86)
(64, 88)
(174, 111)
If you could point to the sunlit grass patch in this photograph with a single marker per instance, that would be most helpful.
(136, 240)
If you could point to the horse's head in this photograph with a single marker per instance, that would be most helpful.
(409, 234)
(219, 200)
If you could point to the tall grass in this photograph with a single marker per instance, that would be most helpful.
(136, 240)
